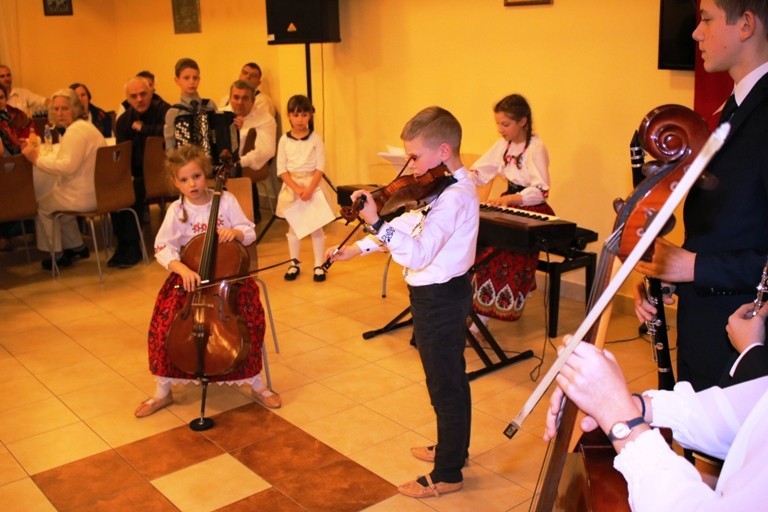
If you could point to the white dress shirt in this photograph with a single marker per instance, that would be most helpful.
(26, 101)
(436, 243)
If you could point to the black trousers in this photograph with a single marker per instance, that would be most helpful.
(123, 223)
(439, 317)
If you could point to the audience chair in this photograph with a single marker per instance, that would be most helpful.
(17, 193)
(157, 186)
(114, 193)
(241, 189)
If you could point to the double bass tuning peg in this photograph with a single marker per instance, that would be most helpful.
(650, 214)
(618, 204)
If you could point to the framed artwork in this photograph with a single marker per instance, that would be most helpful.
(186, 16)
(527, 2)
(57, 7)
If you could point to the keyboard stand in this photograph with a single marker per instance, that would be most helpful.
(393, 324)
(503, 359)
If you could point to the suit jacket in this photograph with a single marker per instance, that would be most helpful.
(753, 365)
(153, 121)
(727, 228)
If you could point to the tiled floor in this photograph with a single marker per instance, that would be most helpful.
(73, 368)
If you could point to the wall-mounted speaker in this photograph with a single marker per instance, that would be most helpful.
(302, 21)
(677, 49)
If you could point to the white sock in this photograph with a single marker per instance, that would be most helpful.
(318, 246)
(259, 387)
(162, 390)
(294, 245)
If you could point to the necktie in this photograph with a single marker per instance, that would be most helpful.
(728, 109)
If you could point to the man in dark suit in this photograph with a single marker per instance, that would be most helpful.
(144, 117)
(726, 227)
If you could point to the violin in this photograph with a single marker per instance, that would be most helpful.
(407, 192)
(207, 337)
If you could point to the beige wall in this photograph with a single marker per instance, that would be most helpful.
(589, 72)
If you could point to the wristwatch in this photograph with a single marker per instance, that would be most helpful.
(375, 227)
(621, 429)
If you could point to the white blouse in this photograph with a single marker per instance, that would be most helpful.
(533, 173)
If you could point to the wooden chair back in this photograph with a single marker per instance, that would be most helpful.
(157, 187)
(17, 189)
(241, 189)
(113, 179)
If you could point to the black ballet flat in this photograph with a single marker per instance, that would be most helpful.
(81, 253)
(293, 273)
(62, 260)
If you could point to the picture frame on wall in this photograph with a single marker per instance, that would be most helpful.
(527, 2)
(57, 7)
(186, 16)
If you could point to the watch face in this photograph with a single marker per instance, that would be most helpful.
(620, 430)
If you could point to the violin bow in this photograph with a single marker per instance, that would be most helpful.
(327, 263)
(239, 277)
(711, 147)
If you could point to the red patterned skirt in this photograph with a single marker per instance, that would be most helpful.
(503, 280)
(170, 300)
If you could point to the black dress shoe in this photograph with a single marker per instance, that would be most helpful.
(115, 260)
(62, 260)
(81, 253)
(129, 258)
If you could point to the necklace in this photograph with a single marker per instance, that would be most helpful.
(508, 158)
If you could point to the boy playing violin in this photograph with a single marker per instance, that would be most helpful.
(436, 247)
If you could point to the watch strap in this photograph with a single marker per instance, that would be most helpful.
(376, 226)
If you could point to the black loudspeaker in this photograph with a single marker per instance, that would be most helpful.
(302, 21)
(677, 49)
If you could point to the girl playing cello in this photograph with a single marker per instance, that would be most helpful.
(186, 218)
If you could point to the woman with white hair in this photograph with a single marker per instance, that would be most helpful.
(70, 183)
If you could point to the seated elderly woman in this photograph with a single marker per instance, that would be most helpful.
(66, 178)
(94, 114)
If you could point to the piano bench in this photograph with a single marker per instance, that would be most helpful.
(572, 260)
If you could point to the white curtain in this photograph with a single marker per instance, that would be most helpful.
(9, 38)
